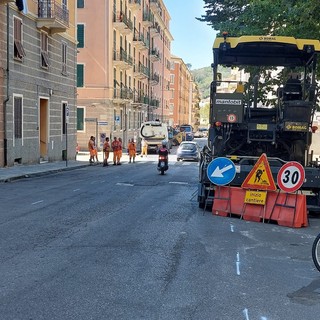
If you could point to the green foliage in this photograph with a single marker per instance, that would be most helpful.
(203, 77)
(296, 18)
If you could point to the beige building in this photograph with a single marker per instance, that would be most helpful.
(38, 67)
(123, 67)
(181, 86)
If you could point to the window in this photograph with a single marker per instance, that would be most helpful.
(114, 120)
(80, 3)
(44, 50)
(171, 78)
(64, 58)
(80, 75)
(80, 119)
(17, 117)
(80, 35)
(19, 52)
(63, 117)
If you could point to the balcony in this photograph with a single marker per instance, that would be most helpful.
(155, 103)
(140, 71)
(154, 79)
(122, 95)
(122, 23)
(147, 19)
(155, 30)
(139, 41)
(155, 6)
(52, 16)
(154, 55)
(122, 60)
(139, 98)
(134, 4)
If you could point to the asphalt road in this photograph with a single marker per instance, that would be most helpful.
(124, 242)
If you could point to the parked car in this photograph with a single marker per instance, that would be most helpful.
(188, 150)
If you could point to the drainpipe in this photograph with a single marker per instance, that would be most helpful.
(5, 146)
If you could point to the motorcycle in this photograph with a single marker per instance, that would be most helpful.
(163, 164)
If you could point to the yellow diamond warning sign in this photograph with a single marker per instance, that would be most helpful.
(260, 177)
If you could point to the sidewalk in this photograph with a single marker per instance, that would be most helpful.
(24, 171)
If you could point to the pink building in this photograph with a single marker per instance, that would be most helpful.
(123, 67)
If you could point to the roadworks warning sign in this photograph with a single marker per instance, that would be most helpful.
(260, 177)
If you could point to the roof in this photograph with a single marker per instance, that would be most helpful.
(264, 50)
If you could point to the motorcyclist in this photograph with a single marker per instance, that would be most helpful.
(163, 151)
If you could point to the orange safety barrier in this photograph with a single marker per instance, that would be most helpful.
(287, 209)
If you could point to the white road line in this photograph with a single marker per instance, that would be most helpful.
(238, 264)
(246, 314)
(177, 182)
(124, 184)
(76, 190)
(37, 202)
(231, 227)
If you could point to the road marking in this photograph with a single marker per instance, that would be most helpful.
(177, 182)
(124, 184)
(246, 314)
(37, 202)
(231, 227)
(238, 264)
(76, 190)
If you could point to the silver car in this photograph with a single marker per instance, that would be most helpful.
(188, 150)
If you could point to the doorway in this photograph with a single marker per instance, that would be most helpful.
(43, 129)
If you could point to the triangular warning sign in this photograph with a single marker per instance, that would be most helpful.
(260, 177)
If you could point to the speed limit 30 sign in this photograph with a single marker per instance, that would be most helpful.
(291, 176)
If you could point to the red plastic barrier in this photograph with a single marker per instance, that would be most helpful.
(287, 209)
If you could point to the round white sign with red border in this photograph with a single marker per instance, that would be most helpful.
(231, 118)
(291, 176)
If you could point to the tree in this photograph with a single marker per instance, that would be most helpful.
(296, 18)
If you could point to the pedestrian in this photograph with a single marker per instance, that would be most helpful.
(132, 150)
(144, 148)
(120, 150)
(91, 149)
(115, 147)
(106, 150)
(77, 151)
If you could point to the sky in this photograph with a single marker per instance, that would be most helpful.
(193, 39)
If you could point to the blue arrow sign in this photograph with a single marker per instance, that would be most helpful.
(221, 171)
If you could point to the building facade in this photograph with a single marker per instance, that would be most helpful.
(123, 67)
(39, 101)
(3, 28)
(181, 86)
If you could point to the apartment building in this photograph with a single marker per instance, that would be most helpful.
(123, 67)
(2, 78)
(38, 52)
(181, 86)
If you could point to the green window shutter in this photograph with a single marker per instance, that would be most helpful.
(80, 35)
(80, 119)
(80, 3)
(80, 74)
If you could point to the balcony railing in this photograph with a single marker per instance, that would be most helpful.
(139, 40)
(154, 55)
(147, 18)
(121, 94)
(134, 4)
(122, 59)
(141, 71)
(53, 16)
(121, 21)
(154, 79)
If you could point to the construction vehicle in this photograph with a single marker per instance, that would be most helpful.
(259, 117)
